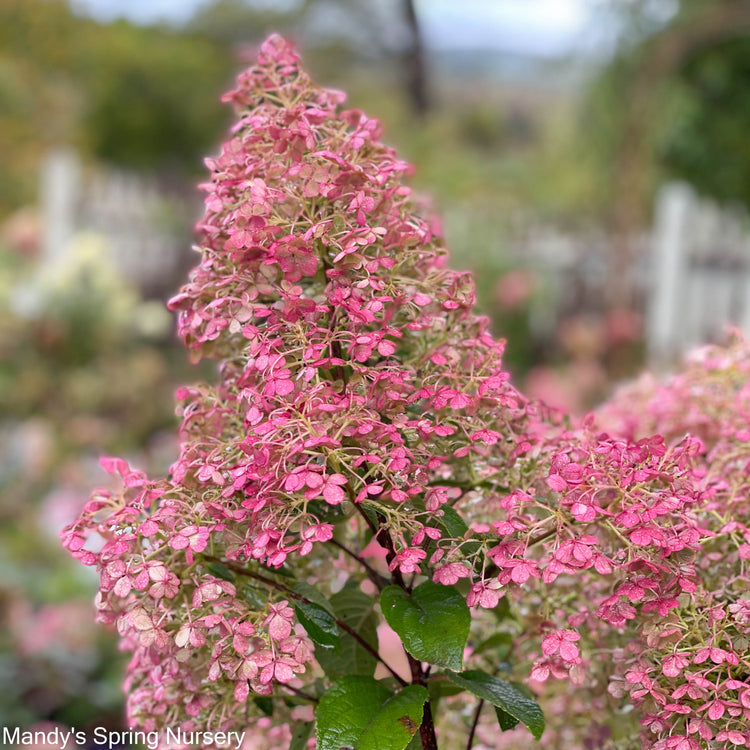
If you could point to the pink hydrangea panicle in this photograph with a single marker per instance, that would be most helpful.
(356, 388)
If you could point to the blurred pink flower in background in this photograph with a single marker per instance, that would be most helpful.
(569, 389)
(67, 625)
(623, 326)
(514, 288)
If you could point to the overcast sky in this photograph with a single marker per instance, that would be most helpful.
(547, 27)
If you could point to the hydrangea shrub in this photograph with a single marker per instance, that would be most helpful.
(363, 466)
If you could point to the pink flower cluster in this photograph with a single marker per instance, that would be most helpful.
(647, 546)
(691, 675)
(355, 381)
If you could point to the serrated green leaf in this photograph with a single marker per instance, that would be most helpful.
(301, 735)
(370, 513)
(503, 695)
(361, 713)
(316, 615)
(354, 608)
(398, 720)
(456, 527)
(523, 689)
(505, 720)
(432, 622)
(319, 624)
(219, 570)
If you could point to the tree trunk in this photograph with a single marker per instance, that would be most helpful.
(415, 63)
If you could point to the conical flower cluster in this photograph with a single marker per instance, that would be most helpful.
(355, 381)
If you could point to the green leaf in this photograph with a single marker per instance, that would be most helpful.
(264, 704)
(319, 624)
(397, 721)
(354, 608)
(361, 713)
(370, 512)
(327, 513)
(220, 571)
(503, 695)
(442, 689)
(499, 642)
(255, 597)
(523, 689)
(452, 522)
(300, 736)
(456, 527)
(433, 622)
(316, 615)
(505, 720)
(314, 595)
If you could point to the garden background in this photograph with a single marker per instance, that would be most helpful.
(545, 159)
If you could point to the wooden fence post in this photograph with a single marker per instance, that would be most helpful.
(59, 197)
(668, 291)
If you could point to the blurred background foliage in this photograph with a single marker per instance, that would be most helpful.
(511, 147)
(671, 103)
(542, 135)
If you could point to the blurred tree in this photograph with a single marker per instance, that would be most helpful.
(708, 143)
(669, 74)
(415, 61)
(146, 97)
(670, 104)
(131, 95)
(152, 96)
(39, 105)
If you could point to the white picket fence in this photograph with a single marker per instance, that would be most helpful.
(146, 230)
(691, 272)
(700, 272)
